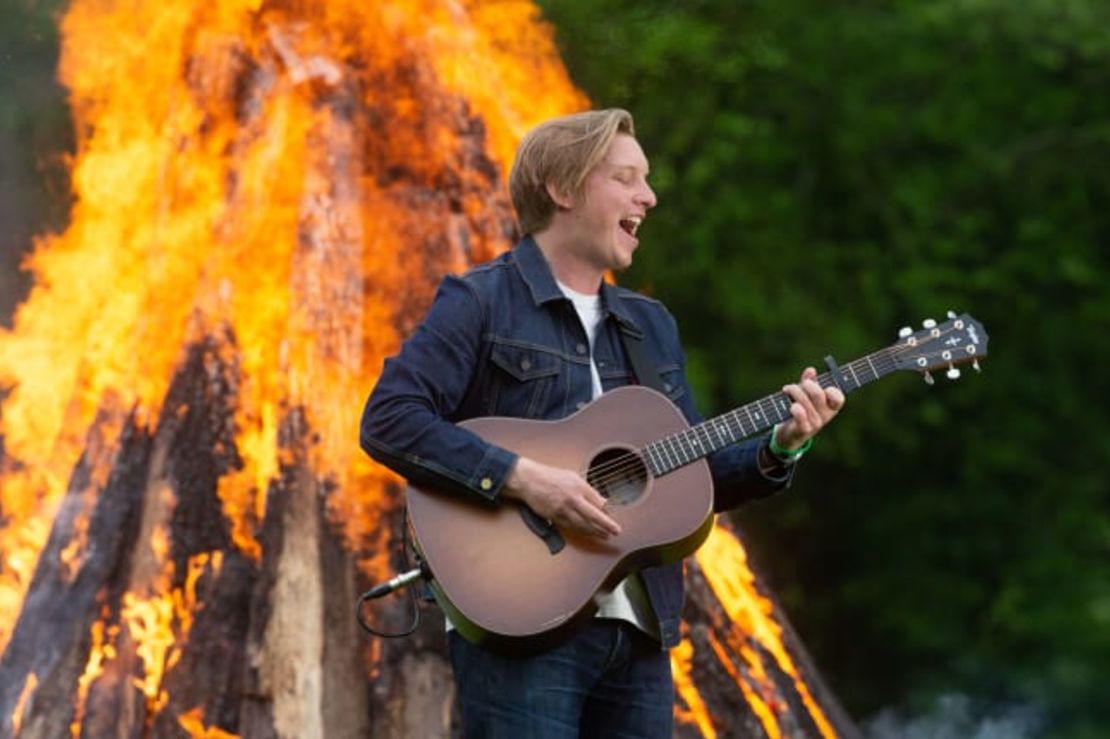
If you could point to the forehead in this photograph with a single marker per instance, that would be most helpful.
(625, 151)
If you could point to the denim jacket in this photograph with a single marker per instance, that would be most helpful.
(502, 340)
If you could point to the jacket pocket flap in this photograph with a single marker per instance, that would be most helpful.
(524, 363)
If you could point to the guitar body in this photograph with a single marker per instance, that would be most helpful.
(507, 586)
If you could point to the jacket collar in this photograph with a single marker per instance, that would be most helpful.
(536, 273)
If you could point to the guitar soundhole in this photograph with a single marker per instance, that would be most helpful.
(618, 474)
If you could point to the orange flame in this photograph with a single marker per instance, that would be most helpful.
(696, 712)
(193, 722)
(21, 705)
(190, 212)
(160, 624)
(725, 565)
(102, 651)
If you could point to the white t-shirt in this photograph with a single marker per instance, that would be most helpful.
(629, 600)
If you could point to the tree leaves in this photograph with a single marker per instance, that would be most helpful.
(829, 173)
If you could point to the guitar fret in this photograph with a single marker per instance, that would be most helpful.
(710, 443)
(683, 445)
(701, 445)
(661, 450)
(750, 420)
(774, 412)
(695, 443)
(739, 433)
(720, 437)
(726, 419)
(672, 447)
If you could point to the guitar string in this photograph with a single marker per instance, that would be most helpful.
(628, 463)
(623, 467)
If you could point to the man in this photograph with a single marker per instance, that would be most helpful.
(536, 333)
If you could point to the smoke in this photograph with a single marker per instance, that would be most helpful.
(955, 716)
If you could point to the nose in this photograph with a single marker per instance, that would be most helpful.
(646, 196)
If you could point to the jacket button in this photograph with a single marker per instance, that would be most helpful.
(525, 364)
(667, 386)
(581, 348)
(486, 483)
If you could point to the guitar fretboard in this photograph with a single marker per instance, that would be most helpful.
(678, 450)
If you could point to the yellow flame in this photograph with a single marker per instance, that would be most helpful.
(159, 625)
(150, 624)
(759, 706)
(190, 204)
(29, 688)
(724, 564)
(696, 711)
(102, 651)
(188, 209)
(193, 722)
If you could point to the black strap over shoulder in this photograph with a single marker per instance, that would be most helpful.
(642, 367)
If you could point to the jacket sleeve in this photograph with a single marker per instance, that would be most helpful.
(404, 424)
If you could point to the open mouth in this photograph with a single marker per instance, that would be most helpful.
(631, 224)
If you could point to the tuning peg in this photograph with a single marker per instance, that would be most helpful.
(975, 365)
(904, 332)
(928, 378)
(929, 323)
(952, 373)
(951, 314)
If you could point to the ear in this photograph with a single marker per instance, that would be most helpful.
(560, 198)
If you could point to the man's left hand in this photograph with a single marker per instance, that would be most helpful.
(812, 408)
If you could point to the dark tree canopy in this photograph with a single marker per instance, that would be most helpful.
(828, 173)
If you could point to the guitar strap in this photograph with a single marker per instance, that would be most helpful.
(642, 367)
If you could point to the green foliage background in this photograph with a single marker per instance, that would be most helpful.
(35, 133)
(829, 172)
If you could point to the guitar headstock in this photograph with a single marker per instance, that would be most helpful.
(958, 340)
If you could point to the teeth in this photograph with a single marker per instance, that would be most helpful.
(633, 223)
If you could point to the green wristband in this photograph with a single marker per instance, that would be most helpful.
(787, 455)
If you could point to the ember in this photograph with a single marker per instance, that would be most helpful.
(266, 195)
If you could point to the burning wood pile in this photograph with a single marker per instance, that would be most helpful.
(266, 195)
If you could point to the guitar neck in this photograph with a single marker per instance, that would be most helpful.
(678, 450)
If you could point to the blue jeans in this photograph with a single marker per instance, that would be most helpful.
(610, 680)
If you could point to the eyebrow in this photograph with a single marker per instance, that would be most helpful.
(629, 167)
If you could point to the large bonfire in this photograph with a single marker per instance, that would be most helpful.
(266, 193)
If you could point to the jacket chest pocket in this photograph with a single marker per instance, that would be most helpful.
(523, 380)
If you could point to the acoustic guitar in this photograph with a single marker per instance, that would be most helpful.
(512, 582)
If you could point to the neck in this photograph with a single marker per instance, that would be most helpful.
(569, 268)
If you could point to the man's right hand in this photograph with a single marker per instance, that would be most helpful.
(561, 496)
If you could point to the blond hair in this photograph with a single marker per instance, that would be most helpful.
(560, 152)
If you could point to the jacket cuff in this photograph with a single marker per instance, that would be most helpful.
(489, 476)
(772, 469)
